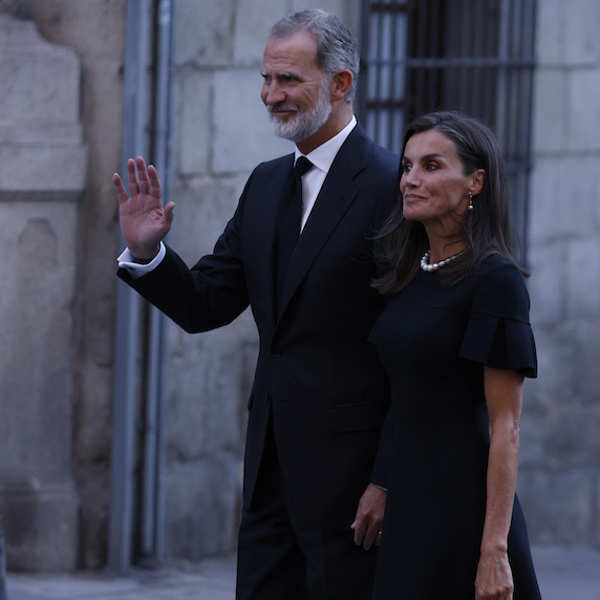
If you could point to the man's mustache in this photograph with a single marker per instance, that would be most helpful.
(275, 108)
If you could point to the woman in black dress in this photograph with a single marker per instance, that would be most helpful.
(456, 342)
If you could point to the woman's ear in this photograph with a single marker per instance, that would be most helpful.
(477, 181)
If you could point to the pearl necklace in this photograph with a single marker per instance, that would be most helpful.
(426, 266)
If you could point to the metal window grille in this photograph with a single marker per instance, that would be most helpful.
(476, 56)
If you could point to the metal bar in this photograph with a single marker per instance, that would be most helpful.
(392, 7)
(361, 95)
(392, 75)
(459, 63)
(527, 131)
(128, 306)
(376, 64)
(152, 490)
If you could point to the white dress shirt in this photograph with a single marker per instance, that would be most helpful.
(321, 157)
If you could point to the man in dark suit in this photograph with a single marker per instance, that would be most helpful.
(298, 250)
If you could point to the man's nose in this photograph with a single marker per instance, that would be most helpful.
(272, 94)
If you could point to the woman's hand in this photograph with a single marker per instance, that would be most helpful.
(494, 578)
(144, 221)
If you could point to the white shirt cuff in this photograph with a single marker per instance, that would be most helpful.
(136, 269)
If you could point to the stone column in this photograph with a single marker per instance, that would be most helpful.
(42, 177)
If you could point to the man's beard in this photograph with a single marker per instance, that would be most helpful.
(304, 124)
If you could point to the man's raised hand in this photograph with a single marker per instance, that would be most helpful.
(144, 220)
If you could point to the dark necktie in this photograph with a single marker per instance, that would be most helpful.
(288, 224)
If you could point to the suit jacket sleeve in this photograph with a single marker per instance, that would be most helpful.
(210, 294)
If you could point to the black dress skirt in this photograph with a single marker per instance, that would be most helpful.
(434, 341)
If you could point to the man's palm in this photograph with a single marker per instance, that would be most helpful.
(144, 221)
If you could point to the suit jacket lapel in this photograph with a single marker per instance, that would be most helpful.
(265, 225)
(334, 199)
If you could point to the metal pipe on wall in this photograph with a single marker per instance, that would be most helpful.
(152, 518)
(137, 30)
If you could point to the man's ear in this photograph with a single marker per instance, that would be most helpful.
(341, 83)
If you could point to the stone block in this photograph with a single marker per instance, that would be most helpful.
(558, 506)
(253, 23)
(564, 198)
(348, 12)
(546, 285)
(25, 58)
(40, 524)
(583, 279)
(550, 32)
(201, 213)
(203, 506)
(584, 99)
(204, 32)
(36, 323)
(243, 135)
(94, 28)
(59, 169)
(550, 119)
(210, 376)
(194, 121)
(582, 21)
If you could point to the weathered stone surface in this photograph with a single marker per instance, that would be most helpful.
(94, 28)
(567, 353)
(25, 58)
(583, 278)
(557, 506)
(584, 98)
(202, 506)
(253, 22)
(581, 22)
(194, 121)
(36, 324)
(550, 32)
(550, 122)
(40, 524)
(564, 197)
(243, 134)
(57, 169)
(547, 264)
(204, 32)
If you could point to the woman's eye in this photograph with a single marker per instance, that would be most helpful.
(405, 168)
(432, 167)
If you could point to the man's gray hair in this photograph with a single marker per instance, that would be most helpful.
(336, 46)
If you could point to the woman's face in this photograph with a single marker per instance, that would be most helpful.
(433, 184)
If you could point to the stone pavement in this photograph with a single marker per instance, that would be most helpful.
(564, 574)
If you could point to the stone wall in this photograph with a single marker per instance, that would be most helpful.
(94, 29)
(560, 457)
(42, 177)
(222, 133)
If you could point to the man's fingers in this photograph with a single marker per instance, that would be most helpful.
(121, 192)
(134, 188)
(142, 175)
(169, 208)
(154, 182)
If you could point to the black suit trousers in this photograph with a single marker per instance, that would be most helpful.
(283, 556)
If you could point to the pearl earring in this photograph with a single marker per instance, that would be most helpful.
(470, 201)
